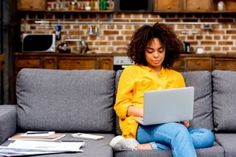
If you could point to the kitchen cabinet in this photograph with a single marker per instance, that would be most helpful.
(28, 62)
(199, 5)
(225, 63)
(81, 63)
(178, 64)
(230, 5)
(193, 6)
(105, 63)
(63, 61)
(49, 62)
(31, 5)
(184, 6)
(209, 62)
(197, 63)
(168, 5)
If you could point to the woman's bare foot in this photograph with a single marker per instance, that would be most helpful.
(146, 146)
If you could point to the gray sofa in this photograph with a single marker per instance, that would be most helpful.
(82, 101)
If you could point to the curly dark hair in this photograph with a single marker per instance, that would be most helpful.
(169, 40)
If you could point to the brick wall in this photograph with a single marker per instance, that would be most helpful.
(112, 32)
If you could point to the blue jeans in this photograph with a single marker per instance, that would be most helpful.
(177, 137)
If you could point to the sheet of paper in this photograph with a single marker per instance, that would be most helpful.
(37, 133)
(48, 146)
(52, 137)
(88, 136)
(9, 152)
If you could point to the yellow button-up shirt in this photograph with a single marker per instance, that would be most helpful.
(134, 81)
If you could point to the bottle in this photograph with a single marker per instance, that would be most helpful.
(58, 5)
(102, 4)
(186, 46)
(92, 4)
(221, 6)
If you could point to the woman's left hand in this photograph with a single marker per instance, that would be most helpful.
(186, 123)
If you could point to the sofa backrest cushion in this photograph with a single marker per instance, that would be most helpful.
(118, 74)
(224, 104)
(201, 81)
(65, 100)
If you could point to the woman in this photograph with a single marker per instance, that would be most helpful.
(154, 50)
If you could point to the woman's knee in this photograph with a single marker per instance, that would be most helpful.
(180, 136)
(202, 138)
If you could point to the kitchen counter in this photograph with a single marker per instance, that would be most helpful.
(70, 61)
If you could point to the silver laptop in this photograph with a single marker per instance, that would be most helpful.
(171, 105)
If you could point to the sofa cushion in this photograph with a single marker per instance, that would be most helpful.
(92, 148)
(7, 121)
(118, 74)
(228, 142)
(65, 100)
(224, 105)
(215, 151)
(201, 81)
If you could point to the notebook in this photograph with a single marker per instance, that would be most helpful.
(170, 105)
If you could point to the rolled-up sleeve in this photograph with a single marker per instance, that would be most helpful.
(124, 93)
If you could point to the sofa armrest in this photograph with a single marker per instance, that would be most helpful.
(7, 121)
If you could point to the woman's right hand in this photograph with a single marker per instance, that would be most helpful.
(186, 123)
(135, 111)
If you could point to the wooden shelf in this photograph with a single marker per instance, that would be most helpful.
(79, 11)
(66, 11)
(115, 12)
(160, 6)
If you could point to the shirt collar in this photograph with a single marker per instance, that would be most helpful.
(161, 73)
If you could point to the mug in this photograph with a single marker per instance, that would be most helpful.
(199, 50)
